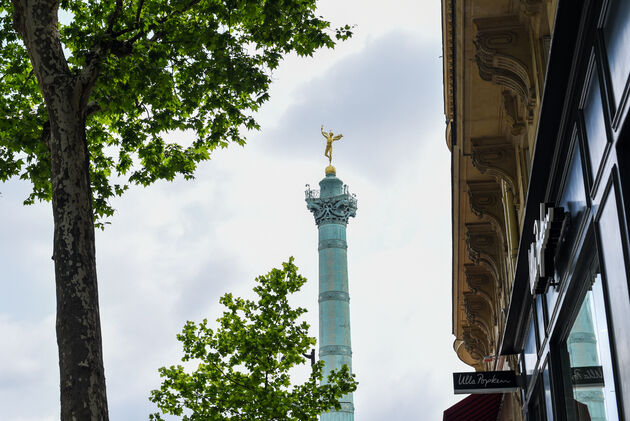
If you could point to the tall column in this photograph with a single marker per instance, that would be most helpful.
(332, 206)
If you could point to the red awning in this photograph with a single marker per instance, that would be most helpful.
(482, 407)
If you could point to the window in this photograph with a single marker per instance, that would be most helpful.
(531, 352)
(588, 349)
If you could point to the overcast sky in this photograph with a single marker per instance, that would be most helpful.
(172, 249)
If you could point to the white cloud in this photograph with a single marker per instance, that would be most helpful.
(29, 385)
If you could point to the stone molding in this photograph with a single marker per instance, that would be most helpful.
(504, 56)
(513, 114)
(496, 157)
(334, 296)
(532, 7)
(476, 342)
(448, 61)
(482, 282)
(484, 248)
(332, 243)
(486, 199)
(478, 312)
(335, 350)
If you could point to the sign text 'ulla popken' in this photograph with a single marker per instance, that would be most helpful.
(592, 376)
(484, 382)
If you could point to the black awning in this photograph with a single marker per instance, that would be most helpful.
(484, 407)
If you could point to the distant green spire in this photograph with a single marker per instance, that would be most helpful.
(332, 207)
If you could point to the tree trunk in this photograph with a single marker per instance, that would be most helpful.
(82, 377)
(78, 322)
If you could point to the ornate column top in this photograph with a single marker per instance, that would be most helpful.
(333, 204)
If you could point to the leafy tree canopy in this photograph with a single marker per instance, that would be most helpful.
(202, 66)
(243, 371)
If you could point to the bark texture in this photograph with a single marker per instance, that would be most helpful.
(82, 378)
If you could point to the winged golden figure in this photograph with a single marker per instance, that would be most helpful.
(330, 138)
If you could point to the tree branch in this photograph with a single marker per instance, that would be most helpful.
(140, 4)
(114, 17)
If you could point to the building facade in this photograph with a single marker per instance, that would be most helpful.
(536, 102)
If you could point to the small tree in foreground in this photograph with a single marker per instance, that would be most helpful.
(243, 371)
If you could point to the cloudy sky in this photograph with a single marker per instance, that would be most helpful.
(172, 249)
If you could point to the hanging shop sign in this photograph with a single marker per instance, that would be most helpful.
(541, 254)
(592, 376)
(485, 382)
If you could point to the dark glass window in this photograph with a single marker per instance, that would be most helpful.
(530, 353)
(536, 407)
(617, 39)
(547, 390)
(616, 285)
(594, 123)
(573, 201)
(540, 317)
(573, 198)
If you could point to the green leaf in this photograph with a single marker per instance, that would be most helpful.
(201, 66)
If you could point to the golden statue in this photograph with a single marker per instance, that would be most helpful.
(330, 138)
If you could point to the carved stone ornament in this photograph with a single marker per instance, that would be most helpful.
(513, 114)
(481, 282)
(496, 157)
(504, 56)
(479, 312)
(476, 342)
(486, 200)
(333, 210)
(532, 7)
(484, 248)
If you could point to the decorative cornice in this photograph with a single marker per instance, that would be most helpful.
(513, 114)
(486, 200)
(482, 283)
(476, 342)
(504, 56)
(460, 349)
(484, 248)
(532, 7)
(448, 59)
(478, 277)
(479, 312)
(496, 157)
(332, 210)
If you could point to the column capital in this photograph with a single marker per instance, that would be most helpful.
(331, 210)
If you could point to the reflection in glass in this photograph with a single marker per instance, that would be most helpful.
(530, 352)
(589, 357)
(573, 201)
(617, 38)
(540, 316)
(547, 386)
(595, 125)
